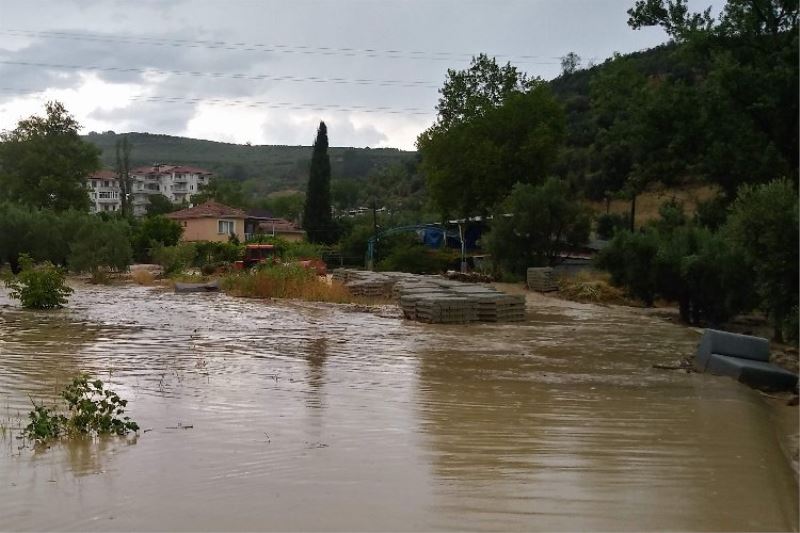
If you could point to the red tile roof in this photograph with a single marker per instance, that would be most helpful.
(210, 209)
(103, 175)
(169, 169)
(279, 225)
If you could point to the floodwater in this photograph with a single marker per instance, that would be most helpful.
(290, 416)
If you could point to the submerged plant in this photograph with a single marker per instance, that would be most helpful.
(39, 287)
(92, 410)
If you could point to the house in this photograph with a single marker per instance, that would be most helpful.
(177, 182)
(260, 222)
(210, 221)
(104, 192)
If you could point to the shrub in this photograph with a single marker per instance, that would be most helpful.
(99, 244)
(285, 281)
(545, 220)
(590, 287)
(143, 277)
(609, 223)
(93, 410)
(151, 232)
(174, 259)
(215, 253)
(763, 225)
(39, 287)
(415, 258)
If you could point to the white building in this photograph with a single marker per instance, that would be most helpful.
(177, 183)
(104, 192)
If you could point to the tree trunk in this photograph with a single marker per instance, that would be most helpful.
(633, 213)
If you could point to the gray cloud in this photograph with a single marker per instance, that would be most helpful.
(308, 39)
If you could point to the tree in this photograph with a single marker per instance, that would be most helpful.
(473, 164)
(317, 218)
(100, 244)
(123, 164)
(224, 191)
(44, 162)
(158, 204)
(764, 224)
(154, 231)
(535, 223)
(469, 93)
(570, 63)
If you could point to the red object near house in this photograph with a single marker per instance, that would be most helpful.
(255, 254)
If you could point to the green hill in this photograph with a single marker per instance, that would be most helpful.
(266, 168)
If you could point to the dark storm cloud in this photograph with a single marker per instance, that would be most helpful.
(307, 43)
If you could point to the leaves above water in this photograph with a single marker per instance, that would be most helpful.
(92, 410)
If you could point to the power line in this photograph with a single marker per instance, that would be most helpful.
(237, 76)
(278, 48)
(256, 104)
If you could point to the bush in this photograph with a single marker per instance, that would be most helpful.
(545, 221)
(416, 258)
(100, 244)
(93, 410)
(609, 223)
(285, 281)
(39, 287)
(174, 259)
(763, 225)
(589, 287)
(154, 231)
(216, 253)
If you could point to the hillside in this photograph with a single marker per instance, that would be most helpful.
(268, 168)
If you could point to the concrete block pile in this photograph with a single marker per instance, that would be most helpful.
(541, 279)
(437, 300)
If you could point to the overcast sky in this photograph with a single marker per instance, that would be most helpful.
(267, 72)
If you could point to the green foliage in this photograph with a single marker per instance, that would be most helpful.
(100, 244)
(261, 170)
(288, 206)
(93, 410)
(39, 287)
(407, 254)
(153, 231)
(537, 224)
(471, 163)
(215, 253)
(609, 223)
(680, 261)
(158, 204)
(317, 219)
(44, 163)
(763, 224)
(174, 259)
(224, 191)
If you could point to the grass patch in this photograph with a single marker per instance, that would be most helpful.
(591, 287)
(143, 277)
(287, 281)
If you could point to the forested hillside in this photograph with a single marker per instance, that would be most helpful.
(267, 168)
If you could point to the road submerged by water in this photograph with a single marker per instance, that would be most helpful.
(312, 417)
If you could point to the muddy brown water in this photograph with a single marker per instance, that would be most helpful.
(309, 417)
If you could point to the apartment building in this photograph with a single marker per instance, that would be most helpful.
(104, 192)
(177, 182)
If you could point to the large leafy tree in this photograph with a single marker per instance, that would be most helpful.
(495, 128)
(44, 162)
(538, 223)
(317, 218)
(764, 224)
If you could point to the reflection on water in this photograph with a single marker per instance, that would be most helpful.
(283, 416)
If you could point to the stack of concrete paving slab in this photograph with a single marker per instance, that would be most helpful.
(445, 309)
(541, 279)
(435, 299)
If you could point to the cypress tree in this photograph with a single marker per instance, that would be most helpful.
(317, 220)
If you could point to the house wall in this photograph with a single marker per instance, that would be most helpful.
(291, 237)
(205, 229)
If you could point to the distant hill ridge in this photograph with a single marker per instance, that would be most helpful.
(273, 166)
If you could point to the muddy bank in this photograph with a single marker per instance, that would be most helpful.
(313, 417)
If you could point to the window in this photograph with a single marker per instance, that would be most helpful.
(225, 227)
